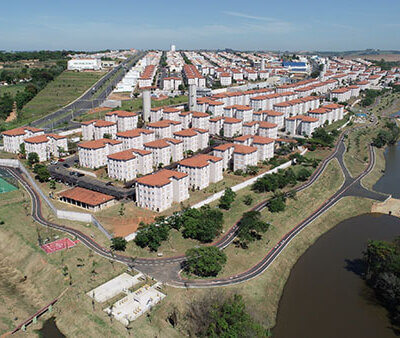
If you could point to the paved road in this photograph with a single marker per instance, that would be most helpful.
(167, 269)
(90, 99)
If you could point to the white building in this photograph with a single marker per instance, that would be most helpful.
(236, 156)
(301, 125)
(232, 127)
(165, 151)
(265, 145)
(96, 129)
(46, 146)
(135, 138)
(202, 170)
(13, 138)
(125, 120)
(267, 129)
(159, 190)
(200, 120)
(164, 128)
(193, 139)
(127, 164)
(93, 154)
(171, 83)
(84, 64)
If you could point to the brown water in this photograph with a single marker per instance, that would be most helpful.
(325, 295)
(50, 329)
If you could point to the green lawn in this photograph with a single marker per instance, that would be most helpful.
(136, 104)
(67, 87)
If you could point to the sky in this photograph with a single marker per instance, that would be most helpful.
(243, 25)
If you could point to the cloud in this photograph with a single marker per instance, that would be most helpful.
(247, 16)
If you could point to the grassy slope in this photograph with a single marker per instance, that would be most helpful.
(67, 87)
(13, 89)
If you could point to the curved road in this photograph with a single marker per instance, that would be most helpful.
(167, 269)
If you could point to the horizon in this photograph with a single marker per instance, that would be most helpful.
(288, 26)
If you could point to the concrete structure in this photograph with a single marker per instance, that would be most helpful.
(202, 170)
(301, 125)
(192, 97)
(96, 129)
(200, 120)
(236, 156)
(193, 139)
(13, 138)
(146, 104)
(164, 128)
(93, 154)
(267, 129)
(159, 190)
(46, 146)
(127, 164)
(265, 145)
(86, 199)
(232, 127)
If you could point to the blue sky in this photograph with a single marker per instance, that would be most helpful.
(254, 24)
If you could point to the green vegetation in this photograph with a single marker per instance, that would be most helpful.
(272, 182)
(41, 171)
(251, 228)
(382, 261)
(152, 236)
(205, 261)
(227, 199)
(223, 316)
(33, 158)
(389, 135)
(118, 243)
(370, 95)
(41, 55)
(136, 104)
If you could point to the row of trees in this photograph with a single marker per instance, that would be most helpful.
(41, 55)
(382, 261)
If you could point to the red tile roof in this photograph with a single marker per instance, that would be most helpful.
(121, 113)
(86, 196)
(134, 132)
(20, 131)
(265, 124)
(199, 161)
(97, 144)
(160, 178)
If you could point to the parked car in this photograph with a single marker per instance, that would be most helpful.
(109, 183)
(66, 165)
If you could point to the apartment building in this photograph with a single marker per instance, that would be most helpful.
(135, 138)
(250, 128)
(185, 118)
(301, 125)
(215, 108)
(13, 138)
(267, 129)
(172, 83)
(225, 79)
(232, 127)
(165, 151)
(216, 125)
(275, 117)
(125, 120)
(193, 139)
(202, 170)
(236, 156)
(200, 120)
(265, 145)
(93, 154)
(46, 146)
(159, 190)
(164, 128)
(96, 129)
(341, 94)
(127, 164)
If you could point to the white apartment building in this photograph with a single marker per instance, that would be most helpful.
(185, 118)
(215, 108)
(165, 151)
(164, 128)
(46, 146)
(216, 125)
(232, 127)
(170, 113)
(225, 79)
(341, 94)
(275, 117)
(159, 190)
(265, 145)
(135, 138)
(301, 125)
(127, 164)
(125, 120)
(267, 129)
(193, 139)
(13, 138)
(84, 64)
(236, 156)
(171, 83)
(96, 129)
(200, 120)
(250, 128)
(93, 154)
(202, 170)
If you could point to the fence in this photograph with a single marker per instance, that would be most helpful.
(61, 214)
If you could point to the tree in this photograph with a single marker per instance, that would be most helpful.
(277, 203)
(251, 227)
(247, 199)
(33, 158)
(303, 174)
(42, 173)
(22, 149)
(152, 236)
(205, 261)
(107, 135)
(227, 199)
(203, 224)
(52, 184)
(122, 209)
(118, 243)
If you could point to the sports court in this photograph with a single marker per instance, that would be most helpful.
(59, 244)
(7, 182)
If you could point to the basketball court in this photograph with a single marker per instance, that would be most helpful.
(7, 182)
(60, 244)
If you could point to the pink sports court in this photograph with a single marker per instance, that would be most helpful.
(60, 244)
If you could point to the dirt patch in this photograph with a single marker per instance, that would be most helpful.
(13, 114)
(123, 226)
(391, 205)
(120, 96)
(98, 110)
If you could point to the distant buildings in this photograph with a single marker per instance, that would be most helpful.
(84, 64)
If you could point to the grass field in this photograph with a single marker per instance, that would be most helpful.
(136, 104)
(67, 87)
(12, 89)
